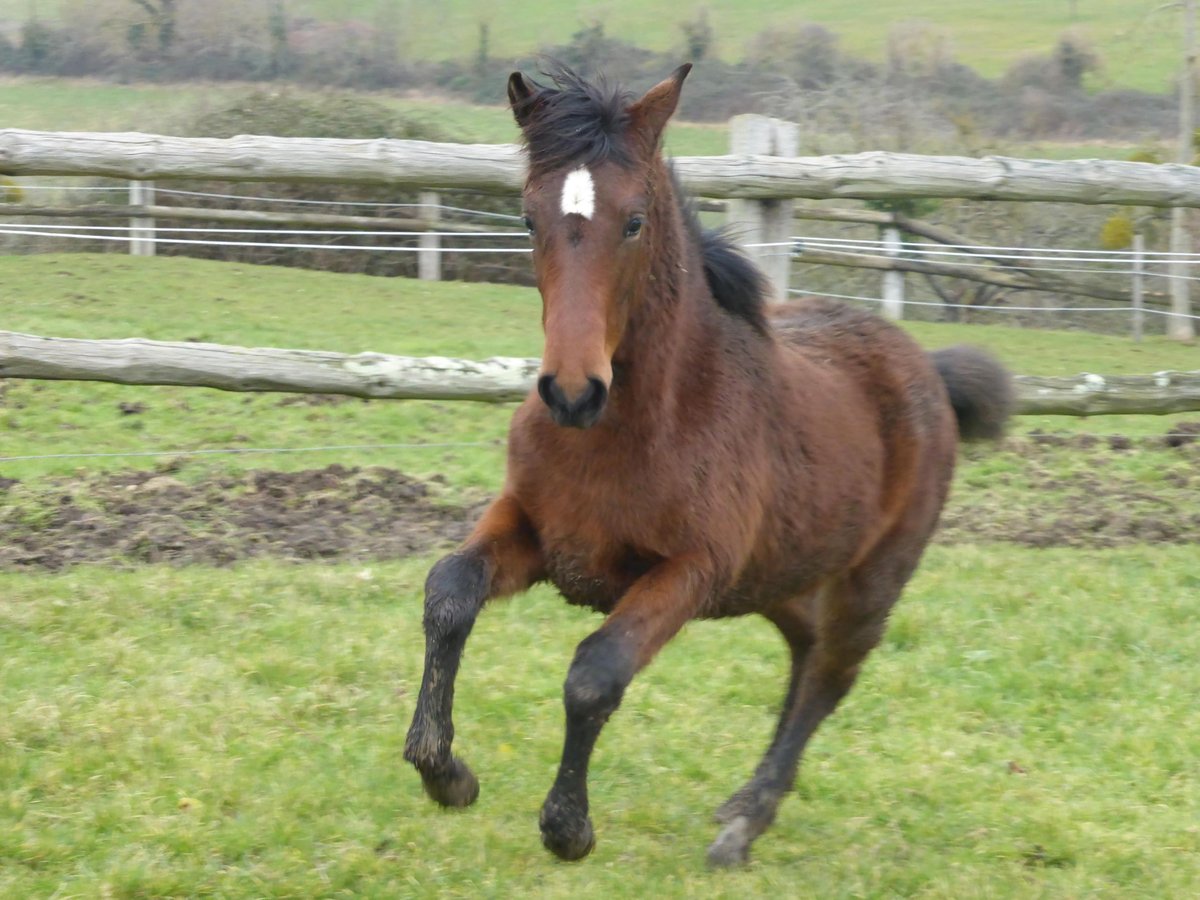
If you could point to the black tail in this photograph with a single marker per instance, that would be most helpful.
(981, 390)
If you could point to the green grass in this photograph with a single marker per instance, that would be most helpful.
(1138, 42)
(116, 296)
(1025, 730)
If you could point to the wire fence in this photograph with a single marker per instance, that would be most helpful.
(243, 451)
(1104, 265)
(1064, 261)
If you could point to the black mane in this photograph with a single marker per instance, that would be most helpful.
(576, 122)
(736, 283)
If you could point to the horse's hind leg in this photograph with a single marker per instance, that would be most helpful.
(846, 623)
(795, 623)
(501, 557)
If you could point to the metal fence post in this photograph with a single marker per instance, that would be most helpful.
(429, 257)
(893, 279)
(1139, 249)
(141, 229)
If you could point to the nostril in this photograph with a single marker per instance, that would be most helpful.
(580, 412)
(594, 397)
(546, 388)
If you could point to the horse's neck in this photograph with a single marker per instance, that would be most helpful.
(672, 335)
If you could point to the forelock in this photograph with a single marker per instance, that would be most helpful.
(577, 123)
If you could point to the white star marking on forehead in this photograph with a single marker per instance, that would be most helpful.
(579, 194)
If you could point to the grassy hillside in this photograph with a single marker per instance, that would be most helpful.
(1138, 40)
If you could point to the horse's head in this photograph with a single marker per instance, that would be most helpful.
(589, 207)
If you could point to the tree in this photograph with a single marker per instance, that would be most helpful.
(697, 36)
(162, 24)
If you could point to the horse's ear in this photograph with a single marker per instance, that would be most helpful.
(649, 115)
(522, 97)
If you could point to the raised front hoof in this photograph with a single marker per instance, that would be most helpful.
(457, 786)
(569, 837)
(732, 846)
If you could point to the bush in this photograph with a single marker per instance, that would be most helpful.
(287, 114)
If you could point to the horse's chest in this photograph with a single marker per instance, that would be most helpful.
(586, 577)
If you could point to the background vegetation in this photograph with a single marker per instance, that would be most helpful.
(1137, 40)
(1034, 69)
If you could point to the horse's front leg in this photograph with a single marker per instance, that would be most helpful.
(653, 610)
(500, 557)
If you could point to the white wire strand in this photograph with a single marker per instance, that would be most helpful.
(878, 250)
(276, 244)
(193, 229)
(986, 249)
(218, 451)
(941, 305)
(176, 192)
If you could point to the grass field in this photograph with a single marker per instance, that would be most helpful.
(1025, 730)
(1138, 41)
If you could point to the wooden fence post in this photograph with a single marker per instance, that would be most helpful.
(429, 257)
(893, 279)
(141, 230)
(765, 221)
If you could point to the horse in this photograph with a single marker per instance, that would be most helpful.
(690, 451)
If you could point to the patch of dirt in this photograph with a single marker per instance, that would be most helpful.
(1069, 491)
(136, 517)
(1055, 490)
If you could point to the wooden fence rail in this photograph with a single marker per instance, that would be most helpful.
(431, 165)
(501, 379)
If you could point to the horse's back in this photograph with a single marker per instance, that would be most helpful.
(866, 446)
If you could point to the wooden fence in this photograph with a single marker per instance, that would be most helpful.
(759, 187)
(377, 375)
(758, 182)
(500, 168)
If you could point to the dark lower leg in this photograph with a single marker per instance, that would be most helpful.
(753, 808)
(747, 797)
(454, 593)
(794, 625)
(501, 557)
(649, 615)
(602, 669)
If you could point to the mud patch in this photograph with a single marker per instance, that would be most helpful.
(1040, 490)
(1082, 491)
(145, 517)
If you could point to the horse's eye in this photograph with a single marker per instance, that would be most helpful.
(633, 227)
(529, 224)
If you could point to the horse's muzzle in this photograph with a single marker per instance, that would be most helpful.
(578, 412)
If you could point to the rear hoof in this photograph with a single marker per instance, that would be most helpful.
(732, 846)
(738, 805)
(455, 787)
(567, 837)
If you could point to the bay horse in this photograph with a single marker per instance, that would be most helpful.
(689, 453)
